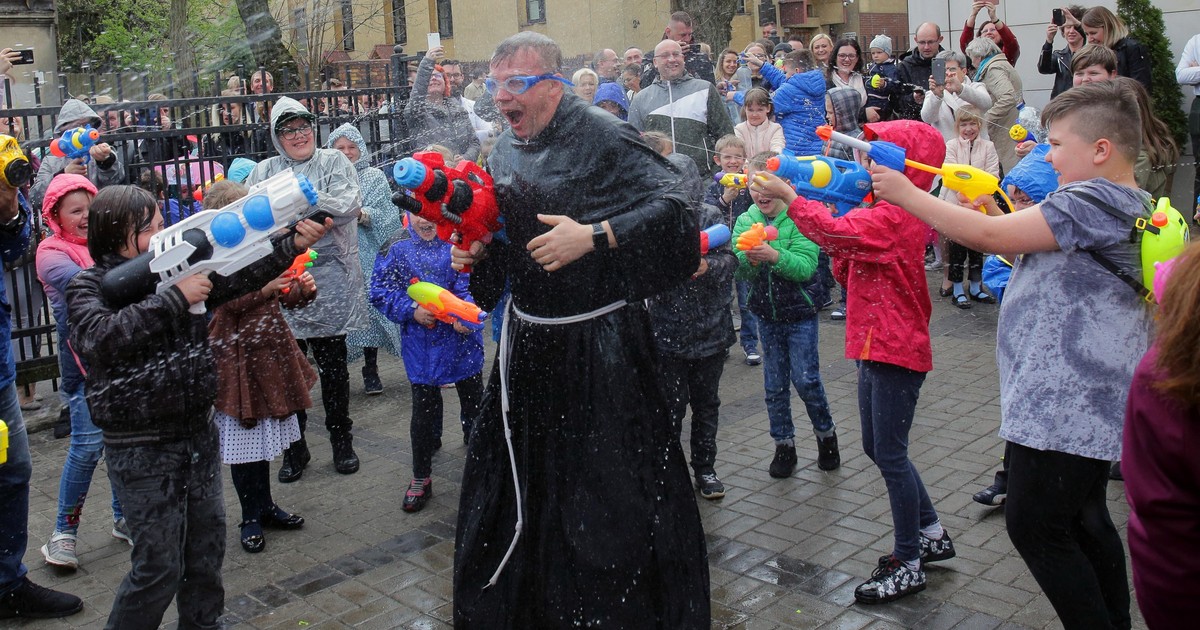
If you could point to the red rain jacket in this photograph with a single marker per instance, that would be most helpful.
(879, 256)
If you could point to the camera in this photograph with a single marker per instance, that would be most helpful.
(15, 170)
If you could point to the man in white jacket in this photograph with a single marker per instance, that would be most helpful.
(942, 101)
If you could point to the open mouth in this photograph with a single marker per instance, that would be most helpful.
(514, 116)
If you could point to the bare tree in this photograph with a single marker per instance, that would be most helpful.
(185, 60)
(712, 20)
(266, 42)
(312, 35)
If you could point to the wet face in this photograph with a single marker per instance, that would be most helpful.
(768, 203)
(586, 88)
(680, 33)
(756, 113)
(423, 227)
(1091, 74)
(262, 83)
(847, 58)
(530, 112)
(668, 60)
(1095, 34)
(139, 242)
(296, 137)
(349, 148)
(437, 86)
(968, 130)
(633, 56)
(72, 213)
(821, 50)
(928, 41)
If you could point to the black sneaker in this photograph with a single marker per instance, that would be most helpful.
(37, 602)
(992, 495)
(828, 457)
(936, 550)
(891, 580)
(418, 494)
(710, 486)
(784, 462)
(372, 385)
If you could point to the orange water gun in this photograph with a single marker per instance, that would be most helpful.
(756, 235)
(299, 265)
(445, 306)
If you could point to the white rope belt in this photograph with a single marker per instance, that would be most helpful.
(509, 311)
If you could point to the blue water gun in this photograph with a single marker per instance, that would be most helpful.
(843, 183)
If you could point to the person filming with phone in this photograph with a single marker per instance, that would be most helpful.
(1058, 62)
(950, 94)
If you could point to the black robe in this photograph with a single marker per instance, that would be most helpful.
(612, 536)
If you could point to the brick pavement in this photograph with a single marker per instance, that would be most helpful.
(784, 553)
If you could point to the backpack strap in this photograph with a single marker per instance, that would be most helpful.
(1139, 224)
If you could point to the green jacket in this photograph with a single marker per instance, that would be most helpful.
(787, 290)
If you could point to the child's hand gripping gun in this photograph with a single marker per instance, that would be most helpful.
(75, 143)
(968, 180)
(755, 236)
(300, 264)
(713, 237)
(445, 306)
(460, 200)
(222, 241)
(828, 180)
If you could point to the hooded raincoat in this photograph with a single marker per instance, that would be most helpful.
(379, 221)
(612, 536)
(879, 256)
(112, 171)
(60, 256)
(443, 121)
(340, 306)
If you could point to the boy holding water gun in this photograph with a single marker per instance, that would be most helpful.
(878, 255)
(100, 163)
(435, 353)
(785, 295)
(1071, 333)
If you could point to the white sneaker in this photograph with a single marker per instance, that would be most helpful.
(60, 551)
(753, 358)
(120, 531)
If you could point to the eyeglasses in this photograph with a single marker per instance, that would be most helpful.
(517, 85)
(290, 133)
(847, 56)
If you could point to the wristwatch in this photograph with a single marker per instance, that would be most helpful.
(599, 236)
(14, 224)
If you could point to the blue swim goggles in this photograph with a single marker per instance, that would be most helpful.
(520, 84)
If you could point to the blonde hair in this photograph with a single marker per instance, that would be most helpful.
(223, 193)
(759, 161)
(583, 72)
(967, 113)
(729, 140)
(1114, 29)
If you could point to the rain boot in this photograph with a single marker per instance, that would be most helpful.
(344, 458)
(296, 456)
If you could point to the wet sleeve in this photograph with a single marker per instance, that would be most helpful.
(99, 333)
(1079, 225)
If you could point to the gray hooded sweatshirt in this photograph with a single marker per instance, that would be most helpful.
(339, 307)
(112, 173)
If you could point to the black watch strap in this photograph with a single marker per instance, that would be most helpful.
(599, 237)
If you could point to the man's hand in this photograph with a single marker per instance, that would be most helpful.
(565, 243)
(435, 53)
(195, 288)
(461, 258)
(424, 317)
(308, 232)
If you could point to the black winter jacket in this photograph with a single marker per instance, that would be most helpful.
(150, 371)
(1133, 61)
(915, 70)
(1058, 63)
(693, 320)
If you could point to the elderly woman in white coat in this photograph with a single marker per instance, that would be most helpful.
(943, 101)
(339, 308)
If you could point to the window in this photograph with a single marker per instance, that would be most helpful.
(347, 24)
(741, 7)
(445, 19)
(535, 11)
(810, 11)
(300, 28)
(399, 22)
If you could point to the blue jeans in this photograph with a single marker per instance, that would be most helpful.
(887, 401)
(86, 444)
(14, 493)
(790, 354)
(749, 332)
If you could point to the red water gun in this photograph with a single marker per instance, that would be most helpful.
(461, 200)
(299, 265)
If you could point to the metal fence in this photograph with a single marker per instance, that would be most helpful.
(185, 142)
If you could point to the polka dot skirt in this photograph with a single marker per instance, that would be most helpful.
(264, 442)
